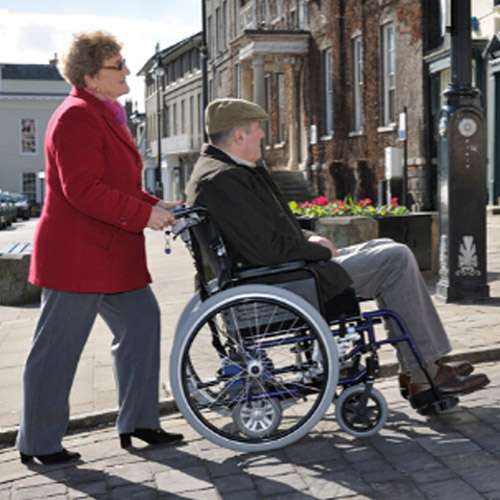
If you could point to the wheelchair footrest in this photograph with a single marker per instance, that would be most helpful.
(432, 402)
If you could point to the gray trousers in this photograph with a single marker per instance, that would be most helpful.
(65, 322)
(388, 272)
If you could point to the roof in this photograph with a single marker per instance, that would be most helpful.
(30, 72)
(174, 50)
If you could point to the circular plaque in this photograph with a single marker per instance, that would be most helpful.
(467, 127)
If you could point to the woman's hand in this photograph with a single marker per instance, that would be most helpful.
(167, 205)
(159, 218)
(324, 242)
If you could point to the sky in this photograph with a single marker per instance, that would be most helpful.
(32, 31)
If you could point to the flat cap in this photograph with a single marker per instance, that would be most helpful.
(224, 114)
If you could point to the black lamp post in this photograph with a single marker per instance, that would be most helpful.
(204, 62)
(158, 74)
(462, 172)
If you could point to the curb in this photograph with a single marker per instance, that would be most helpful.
(107, 418)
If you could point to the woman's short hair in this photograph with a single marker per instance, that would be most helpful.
(86, 55)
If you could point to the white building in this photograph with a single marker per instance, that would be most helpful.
(173, 106)
(29, 94)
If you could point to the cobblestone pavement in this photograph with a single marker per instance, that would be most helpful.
(456, 456)
(473, 328)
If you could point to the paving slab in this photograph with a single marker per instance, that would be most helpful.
(413, 457)
(472, 327)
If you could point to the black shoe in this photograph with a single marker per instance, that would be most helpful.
(150, 436)
(53, 458)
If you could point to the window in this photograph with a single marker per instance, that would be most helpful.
(166, 121)
(357, 60)
(218, 31)
(303, 16)
(28, 136)
(209, 37)
(280, 93)
(200, 115)
(29, 186)
(236, 17)
(224, 24)
(191, 115)
(388, 75)
(174, 119)
(183, 116)
(268, 105)
(237, 80)
(328, 101)
(275, 9)
(292, 19)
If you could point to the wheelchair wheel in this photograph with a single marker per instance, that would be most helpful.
(256, 370)
(189, 311)
(358, 416)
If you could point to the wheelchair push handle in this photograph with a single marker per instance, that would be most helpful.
(185, 218)
(184, 211)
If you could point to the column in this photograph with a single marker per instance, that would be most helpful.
(258, 81)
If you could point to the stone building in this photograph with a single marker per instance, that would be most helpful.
(173, 111)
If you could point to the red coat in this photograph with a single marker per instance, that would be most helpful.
(90, 234)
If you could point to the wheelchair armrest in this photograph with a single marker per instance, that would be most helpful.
(256, 272)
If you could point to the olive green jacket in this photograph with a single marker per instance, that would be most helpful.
(256, 223)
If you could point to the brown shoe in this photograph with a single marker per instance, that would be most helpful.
(449, 382)
(460, 368)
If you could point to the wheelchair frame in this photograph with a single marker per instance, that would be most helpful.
(259, 403)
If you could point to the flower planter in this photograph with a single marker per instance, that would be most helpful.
(417, 230)
(347, 230)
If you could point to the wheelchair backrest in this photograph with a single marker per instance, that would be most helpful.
(212, 261)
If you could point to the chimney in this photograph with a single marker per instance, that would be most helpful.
(55, 60)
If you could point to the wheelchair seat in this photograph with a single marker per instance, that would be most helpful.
(217, 270)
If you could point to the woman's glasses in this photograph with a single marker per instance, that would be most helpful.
(119, 65)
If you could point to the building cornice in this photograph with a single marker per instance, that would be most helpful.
(267, 43)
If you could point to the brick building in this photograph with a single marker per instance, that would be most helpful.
(334, 77)
(366, 63)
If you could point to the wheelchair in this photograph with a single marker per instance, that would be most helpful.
(257, 359)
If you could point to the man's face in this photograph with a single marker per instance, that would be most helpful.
(251, 139)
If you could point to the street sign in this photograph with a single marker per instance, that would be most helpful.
(402, 126)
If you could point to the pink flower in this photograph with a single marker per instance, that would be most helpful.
(320, 200)
(394, 201)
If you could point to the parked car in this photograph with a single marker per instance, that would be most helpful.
(23, 207)
(3, 216)
(9, 209)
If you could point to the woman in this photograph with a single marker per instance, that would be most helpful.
(89, 258)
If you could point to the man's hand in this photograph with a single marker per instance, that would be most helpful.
(167, 205)
(324, 242)
(160, 218)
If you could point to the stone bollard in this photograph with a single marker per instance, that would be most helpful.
(14, 286)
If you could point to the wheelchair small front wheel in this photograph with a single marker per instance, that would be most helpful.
(359, 413)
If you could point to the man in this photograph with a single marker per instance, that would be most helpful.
(259, 229)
